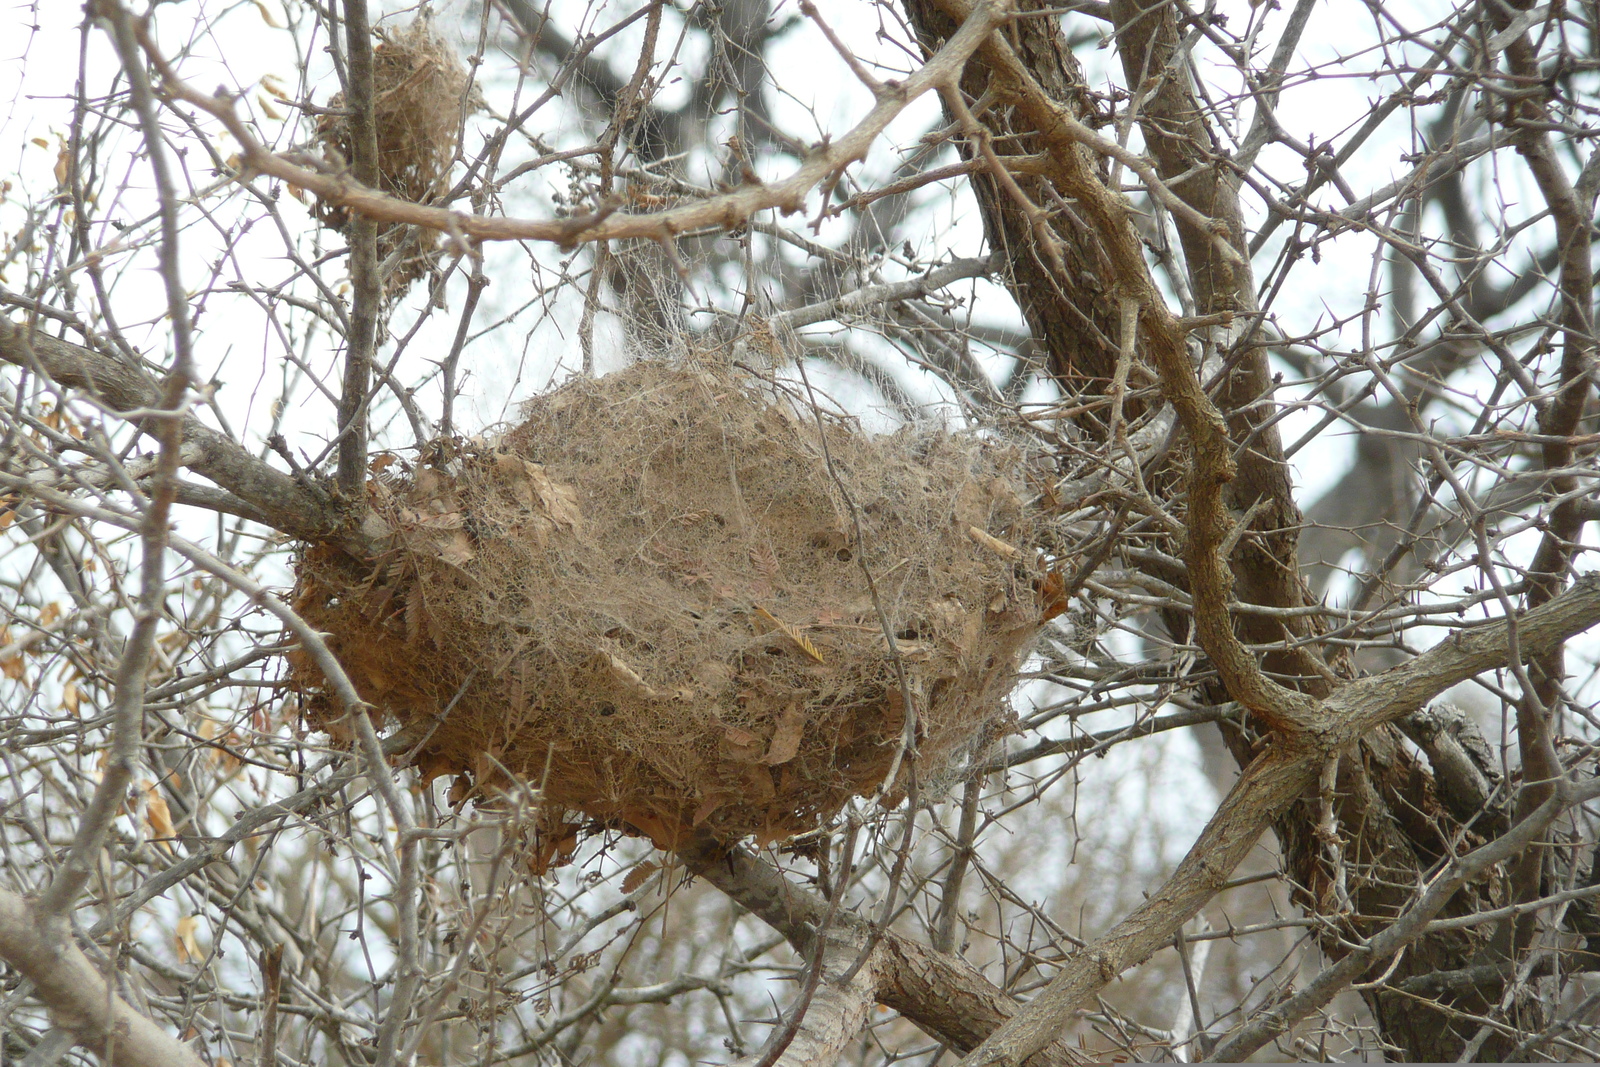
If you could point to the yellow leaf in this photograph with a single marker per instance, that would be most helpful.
(41, 142)
(790, 632)
(188, 946)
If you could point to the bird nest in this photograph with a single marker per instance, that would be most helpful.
(419, 91)
(650, 603)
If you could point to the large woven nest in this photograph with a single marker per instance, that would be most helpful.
(419, 88)
(648, 603)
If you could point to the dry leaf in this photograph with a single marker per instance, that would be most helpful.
(266, 15)
(49, 613)
(790, 632)
(758, 784)
(456, 549)
(69, 698)
(414, 610)
(559, 501)
(553, 847)
(786, 739)
(157, 816)
(765, 561)
(629, 677)
(433, 765)
(742, 745)
(707, 806)
(993, 544)
(639, 875)
(188, 946)
(1053, 600)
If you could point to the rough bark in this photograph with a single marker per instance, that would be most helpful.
(292, 506)
(79, 999)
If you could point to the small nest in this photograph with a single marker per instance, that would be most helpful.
(647, 601)
(419, 86)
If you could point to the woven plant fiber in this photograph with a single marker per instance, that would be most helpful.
(648, 603)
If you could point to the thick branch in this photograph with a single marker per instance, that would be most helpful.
(78, 998)
(130, 391)
(944, 995)
(1266, 788)
(1358, 707)
(1407, 928)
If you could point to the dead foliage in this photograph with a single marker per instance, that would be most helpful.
(647, 602)
(419, 90)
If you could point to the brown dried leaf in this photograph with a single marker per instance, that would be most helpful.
(558, 500)
(742, 745)
(639, 875)
(765, 561)
(414, 609)
(433, 765)
(457, 550)
(993, 544)
(432, 491)
(188, 945)
(786, 738)
(1053, 598)
(758, 782)
(157, 816)
(800, 639)
(450, 520)
(707, 807)
(629, 677)
(554, 848)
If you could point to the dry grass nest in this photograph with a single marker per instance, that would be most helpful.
(648, 602)
(420, 88)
